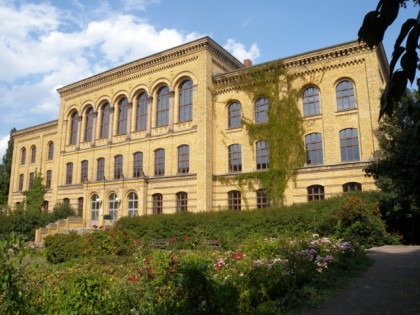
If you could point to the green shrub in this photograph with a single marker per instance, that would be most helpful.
(62, 247)
(62, 211)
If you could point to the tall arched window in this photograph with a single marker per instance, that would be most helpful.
(261, 110)
(311, 102)
(235, 158)
(45, 206)
(345, 95)
(138, 164)
(262, 154)
(89, 124)
(113, 207)
(157, 206)
(50, 155)
(74, 121)
(118, 167)
(100, 169)
(84, 171)
(313, 143)
(104, 131)
(31, 180)
(133, 204)
(183, 159)
(48, 179)
(21, 179)
(185, 101)
(23, 156)
(349, 145)
(315, 192)
(69, 173)
(159, 162)
(33, 154)
(234, 115)
(80, 207)
(162, 110)
(141, 113)
(234, 200)
(95, 204)
(122, 116)
(181, 201)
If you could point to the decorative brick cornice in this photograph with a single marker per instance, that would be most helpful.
(35, 129)
(158, 62)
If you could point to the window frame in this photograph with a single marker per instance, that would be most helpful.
(185, 107)
(157, 203)
(349, 145)
(142, 111)
(352, 187)
(23, 156)
(162, 106)
(50, 154)
(100, 169)
(21, 181)
(314, 148)
(69, 173)
(311, 103)
(262, 155)
(80, 204)
(138, 164)
(159, 159)
(118, 166)
(234, 110)
(74, 121)
(235, 158)
(183, 159)
(181, 201)
(261, 107)
(234, 200)
(48, 178)
(113, 207)
(31, 180)
(262, 200)
(84, 170)
(133, 204)
(122, 116)
(33, 154)
(315, 192)
(90, 114)
(105, 121)
(345, 95)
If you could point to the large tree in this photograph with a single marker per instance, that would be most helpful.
(35, 195)
(5, 170)
(397, 169)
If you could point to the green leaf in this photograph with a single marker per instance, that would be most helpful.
(389, 10)
(398, 51)
(409, 64)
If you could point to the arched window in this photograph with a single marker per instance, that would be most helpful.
(315, 192)
(185, 101)
(352, 187)
(261, 110)
(100, 169)
(90, 114)
(118, 167)
(138, 164)
(31, 180)
(122, 116)
(45, 206)
(33, 154)
(141, 113)
(95, 204)
(74, 121)
(162, 110)
(159, 162)
(311, 102)
(235, 158)
(21, 179)
(234, 115)
(80, 207)
(262, 154)
(234, 200)
(23, 156)
(113, 207)
(183, 159)
(345, 95)
(69, 173)
(349, 145)
(84, 171)
(133, 204)
(157, 206)
(66, 201)
(105, 112)
(48, 179)
(50, 151)
(181, 201)
(262, 200)
(313, 143)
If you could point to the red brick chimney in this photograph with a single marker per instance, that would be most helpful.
(247, 62)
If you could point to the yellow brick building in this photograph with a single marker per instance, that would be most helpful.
(152, 136)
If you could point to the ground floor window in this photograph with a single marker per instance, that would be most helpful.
(157, 206)
(133, 204)
(181, 201)
(315, 192)
(234, 200)
(351, 187)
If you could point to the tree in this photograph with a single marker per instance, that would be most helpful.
(35, 195)
(372, 33)
(5, 170)
(396, 169)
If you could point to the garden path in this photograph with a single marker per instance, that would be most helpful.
(390, 287)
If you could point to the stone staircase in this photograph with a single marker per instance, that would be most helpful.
(61, 227)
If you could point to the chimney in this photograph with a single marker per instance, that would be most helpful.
(247, 62)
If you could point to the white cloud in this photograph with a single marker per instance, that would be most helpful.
(240, 52)
(3, 146)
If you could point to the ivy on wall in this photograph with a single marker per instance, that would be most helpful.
(283, 132)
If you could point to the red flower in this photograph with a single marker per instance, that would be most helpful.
(106, 229)
(94, 226)
(172, 239)
(136, 241)
(101, 227)
(237, 256)
(186, 238)
(113, 235)
(132, 279)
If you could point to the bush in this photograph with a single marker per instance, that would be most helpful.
(62, 211)
(62, 247)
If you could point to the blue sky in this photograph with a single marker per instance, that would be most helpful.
(45, 45)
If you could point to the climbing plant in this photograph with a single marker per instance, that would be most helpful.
(283, 131)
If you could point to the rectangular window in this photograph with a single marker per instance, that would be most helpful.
(84, 171)
(183, 159)
(138, 165)
(100, 170)
(80, 207)
(69, 174)
(21, 178)
(31, 180)
(118, 167)
(160, 162)
(48, 179)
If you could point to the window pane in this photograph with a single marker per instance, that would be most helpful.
(345, 96)
(311, 102)
(141, 116)
(235, 158)
(234, 115)
(349, 145)
(313, 143)
(159, 162)
(122, 116)
(183, 159)
(162, 110)
(261, 110)
(234, 200)
(262, 154)
(185, 101)
(105, 121)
